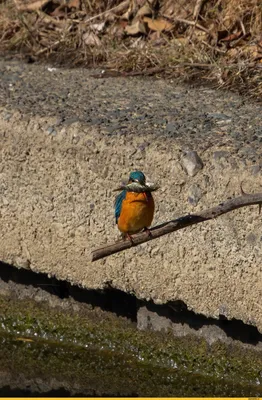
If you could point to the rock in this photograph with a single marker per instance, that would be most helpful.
(255, 169)
(220, 154)
(192, 163)
(51, 130)
(195, 194)
(59, 121)
(223, 310)
(22, 262)
(155, 250)
(73, 120)
(251, 238)
(7, 116)
(171, 128)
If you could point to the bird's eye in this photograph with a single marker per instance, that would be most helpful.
(132, 180)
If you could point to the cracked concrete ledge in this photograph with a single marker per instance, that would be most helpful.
(56, 206)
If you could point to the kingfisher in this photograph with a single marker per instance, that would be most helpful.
(134, 206)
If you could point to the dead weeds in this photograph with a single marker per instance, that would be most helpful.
(219, 41)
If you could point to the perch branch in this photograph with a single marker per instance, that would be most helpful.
(180, 223)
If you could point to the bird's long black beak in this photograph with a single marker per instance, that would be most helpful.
(119, 188)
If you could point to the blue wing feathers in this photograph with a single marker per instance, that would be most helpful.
(118, 204)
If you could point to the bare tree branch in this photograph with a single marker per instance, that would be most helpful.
(180, 223)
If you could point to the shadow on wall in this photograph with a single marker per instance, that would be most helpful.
(171, 316)
(176, 316)
(109, 299)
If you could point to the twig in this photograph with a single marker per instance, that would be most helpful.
(117, 74)
(87, 2)
(117, 8)
(45, 49)
(197, 65)
(242, 27)
(147, 72)
(47, 19)
(197, 9)
(179, 223)
(31, 6)
(193, 23)
(214, 47)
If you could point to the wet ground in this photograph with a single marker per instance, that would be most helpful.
(31, 367)
(138, 104)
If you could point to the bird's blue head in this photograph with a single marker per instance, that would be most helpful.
(137, 176)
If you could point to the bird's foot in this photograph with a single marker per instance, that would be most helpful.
(148, 232)
(127, 236)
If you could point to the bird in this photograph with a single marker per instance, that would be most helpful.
(134, 205)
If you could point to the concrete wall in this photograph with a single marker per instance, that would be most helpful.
(56, 206)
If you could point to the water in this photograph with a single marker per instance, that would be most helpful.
(30, 367)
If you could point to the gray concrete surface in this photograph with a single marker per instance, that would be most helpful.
(67, 140)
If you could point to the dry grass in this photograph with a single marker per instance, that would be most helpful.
(219, 42)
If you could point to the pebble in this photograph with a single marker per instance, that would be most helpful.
(59, 121)
(255, 169)
(155, 250)
(251, 238)
(192, 163)
(223, 310)
(220, 154)
(51, 130)
(195, 194)
(7, 116)
(171, 128)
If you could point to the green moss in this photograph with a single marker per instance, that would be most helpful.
(97, 343)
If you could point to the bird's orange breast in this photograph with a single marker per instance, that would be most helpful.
(137, 212)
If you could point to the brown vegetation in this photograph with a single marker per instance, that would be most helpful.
(217, 40)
